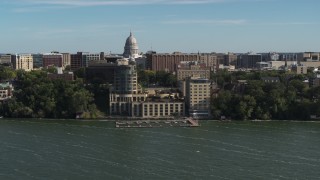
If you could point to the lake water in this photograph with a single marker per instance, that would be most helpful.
(216, 150)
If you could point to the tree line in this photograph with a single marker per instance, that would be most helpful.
(289, 99)
(36, 96)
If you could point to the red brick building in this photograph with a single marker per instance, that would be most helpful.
(167, 62)
(52, 59)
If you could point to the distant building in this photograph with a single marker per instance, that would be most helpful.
(101, 71)
(270, 79)
(230, 59)
(299, 69)
(264, 65)
(229, 68)
(131, 48)
(5, 59)
(6, 90)
(53, 59)
(68, 76)
(211, 59)
(311, 56)
(66, 60)
(310, 64)
(315, 81)
(141, 62)
(291, 57)
(93, 56)
(113, 58)
(249, 61)
(187, 69)
(79, 60)
(198, 96)
(37, 60)
(22, 61)
(272, 56)
(167, 62)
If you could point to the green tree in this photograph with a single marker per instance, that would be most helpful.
(7, 73)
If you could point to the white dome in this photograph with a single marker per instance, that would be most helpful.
(131, 48)
(131, 40)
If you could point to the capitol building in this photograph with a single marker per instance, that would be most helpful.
(131, 49)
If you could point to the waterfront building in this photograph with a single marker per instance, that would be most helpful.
(131, 48)
(127, 98)
(22, 61)
(125, 89)
(53, 59)
(6, 90)
(161, 109)
(198, 96)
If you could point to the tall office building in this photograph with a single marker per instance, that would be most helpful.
(198, 94)
(187, 69)
(52, 59)
(230, 59)
(249, 61)
(5, 59)
(125, 90)
(66, 60)
(37, 60)
(22, 61)
(167, 62)
(79, 60)
(210, 59)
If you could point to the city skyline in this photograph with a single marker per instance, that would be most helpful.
(164, 26)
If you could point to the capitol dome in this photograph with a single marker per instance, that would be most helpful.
(131, 48)
(131, 40)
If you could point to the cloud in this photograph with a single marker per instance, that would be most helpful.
(288, 23)
(206, 21)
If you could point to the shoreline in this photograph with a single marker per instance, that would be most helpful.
(150, 119)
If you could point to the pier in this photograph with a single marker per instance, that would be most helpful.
(157, 123)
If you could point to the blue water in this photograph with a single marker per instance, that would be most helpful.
(37, 149)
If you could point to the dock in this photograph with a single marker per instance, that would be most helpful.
(157, 123)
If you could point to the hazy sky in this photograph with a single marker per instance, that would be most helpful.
(165, 25)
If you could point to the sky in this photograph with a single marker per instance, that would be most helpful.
(190, 26)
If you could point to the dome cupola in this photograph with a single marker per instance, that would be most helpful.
(131, 48)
